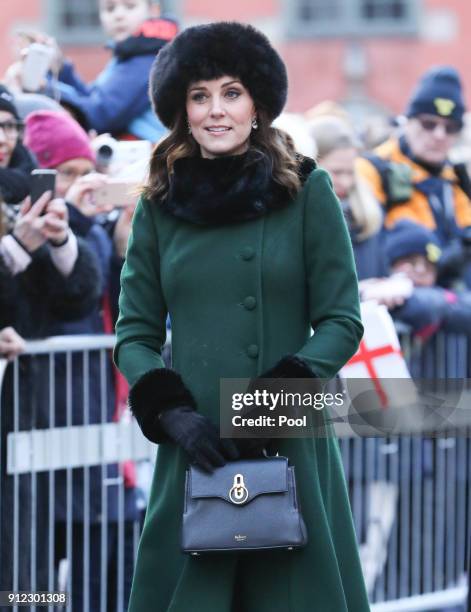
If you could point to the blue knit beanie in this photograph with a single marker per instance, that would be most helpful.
(407, 238)
(439, 92)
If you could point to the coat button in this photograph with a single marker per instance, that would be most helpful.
(250, 302)
(247, 253)
(258, 205)
(252, 351)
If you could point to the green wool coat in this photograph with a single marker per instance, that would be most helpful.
(296, 266)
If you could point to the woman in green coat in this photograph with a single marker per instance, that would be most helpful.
(243, 243)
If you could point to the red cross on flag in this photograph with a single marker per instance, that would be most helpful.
(379, 356)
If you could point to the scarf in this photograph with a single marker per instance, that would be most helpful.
(228, 189)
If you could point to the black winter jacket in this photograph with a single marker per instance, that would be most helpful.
(15, 181)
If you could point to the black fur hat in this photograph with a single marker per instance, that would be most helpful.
(210, 51)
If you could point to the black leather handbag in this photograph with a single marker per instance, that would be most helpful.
(245, 505)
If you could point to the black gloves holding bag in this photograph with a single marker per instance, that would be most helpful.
(166, 410)
(198, 437)
(288, 367)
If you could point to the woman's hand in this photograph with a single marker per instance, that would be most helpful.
(81, 194)
(13, 75)
(11, 343)
(198, 437)
(56, 222)
(57, 58)
(391, 291)
(44, 220)
(28, 228)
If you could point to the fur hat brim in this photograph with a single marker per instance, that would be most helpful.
(210, 51)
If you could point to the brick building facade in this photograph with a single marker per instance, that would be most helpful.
(356, 58)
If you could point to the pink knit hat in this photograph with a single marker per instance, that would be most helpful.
(55, 137)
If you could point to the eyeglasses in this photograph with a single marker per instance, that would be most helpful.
(430, 124)
(11, 129)
(72, 175)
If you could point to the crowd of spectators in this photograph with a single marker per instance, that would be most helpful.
(407, 207)
(60, 261)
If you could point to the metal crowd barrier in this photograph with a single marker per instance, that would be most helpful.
(411, 498)
(410, 495)
(70, 522)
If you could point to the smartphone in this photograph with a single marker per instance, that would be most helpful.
(35, 66)
(116, 193)
(42, 181)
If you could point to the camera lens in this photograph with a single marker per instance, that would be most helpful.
(105, 152)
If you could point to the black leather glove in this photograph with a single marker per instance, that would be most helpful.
(198, 437)
(288, 367)
(452, 261)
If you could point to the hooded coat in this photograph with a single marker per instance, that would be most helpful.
(244, 276)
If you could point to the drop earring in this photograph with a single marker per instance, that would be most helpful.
(254, 123)
(189, 127)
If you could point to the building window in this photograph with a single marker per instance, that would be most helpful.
(383, 9)
(74, 22)
(318, 10)
(305, 18)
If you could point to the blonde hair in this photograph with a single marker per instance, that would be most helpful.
(332, 133)
(366, 210)
(266, 141)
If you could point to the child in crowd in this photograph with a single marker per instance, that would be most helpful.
(414, 251)
(117, 101)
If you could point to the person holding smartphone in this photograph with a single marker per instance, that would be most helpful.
(116, 101)
(60, 144)
(46, 274)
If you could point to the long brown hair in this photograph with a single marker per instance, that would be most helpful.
(265, 141)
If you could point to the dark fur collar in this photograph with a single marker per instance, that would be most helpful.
(226, 189)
